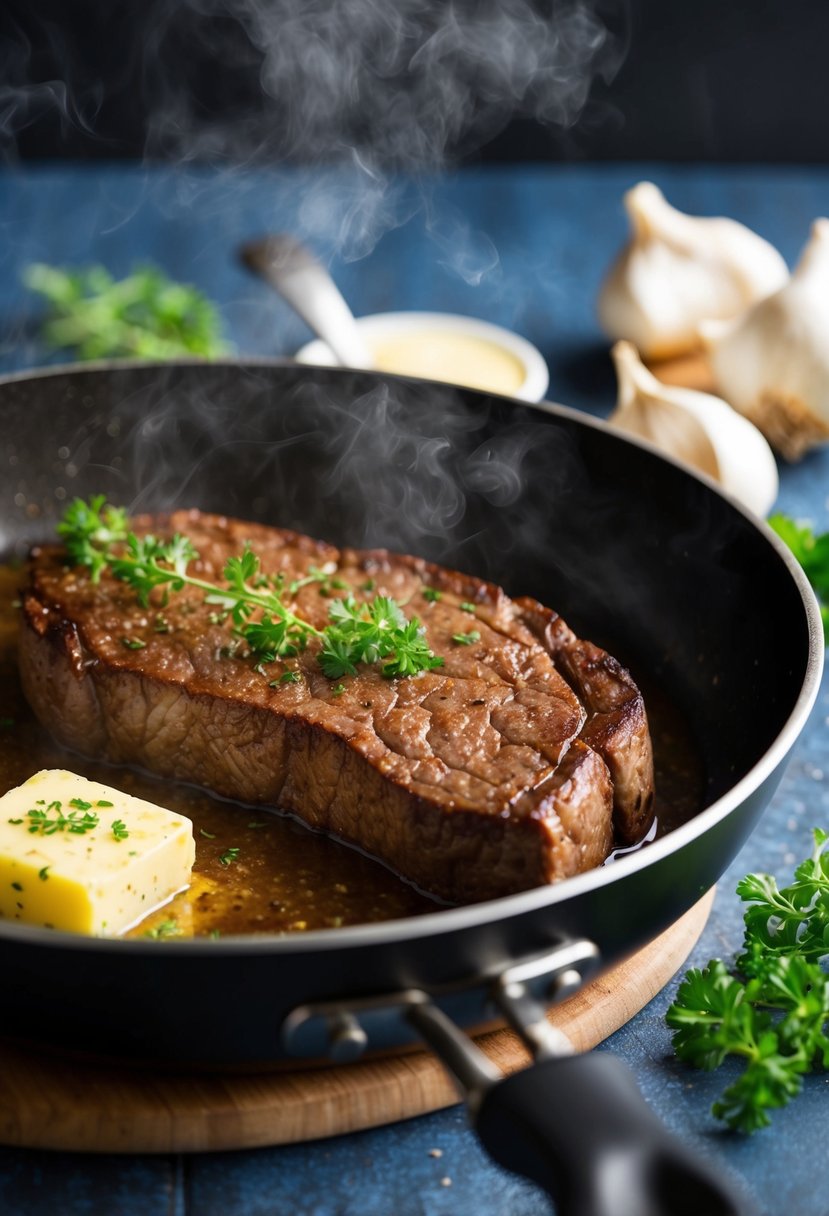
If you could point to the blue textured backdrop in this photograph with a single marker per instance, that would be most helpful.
(524, 247)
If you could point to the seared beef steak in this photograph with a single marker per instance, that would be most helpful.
(504, 769)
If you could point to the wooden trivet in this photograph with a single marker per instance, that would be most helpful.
(48, 1103)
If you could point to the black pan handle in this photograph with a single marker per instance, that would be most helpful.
(579, 1127)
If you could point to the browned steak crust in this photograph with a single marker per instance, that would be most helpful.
(494, 773)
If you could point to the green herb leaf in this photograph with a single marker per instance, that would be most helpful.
(812, 551)
(229, 856)
(145, 315)
(774, 1013)
(167, 928)
(52, 819)
(119, 829)
(376, 632)
(466, 639)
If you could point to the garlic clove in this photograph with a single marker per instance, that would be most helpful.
(678, 270)
(772, 363)
(696, 428)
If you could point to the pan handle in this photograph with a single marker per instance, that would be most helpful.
(575, 1124)
(579, 1127)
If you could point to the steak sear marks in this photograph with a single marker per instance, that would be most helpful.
(502, 770)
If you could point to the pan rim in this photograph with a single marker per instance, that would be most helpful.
(471, 916)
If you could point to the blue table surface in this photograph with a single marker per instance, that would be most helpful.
(524, 247)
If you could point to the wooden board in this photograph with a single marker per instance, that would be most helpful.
(48, 1103)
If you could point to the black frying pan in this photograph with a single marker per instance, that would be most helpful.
(631, 549)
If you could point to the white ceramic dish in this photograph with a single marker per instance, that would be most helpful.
(385, 327)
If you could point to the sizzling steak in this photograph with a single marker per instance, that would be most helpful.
(510, 766)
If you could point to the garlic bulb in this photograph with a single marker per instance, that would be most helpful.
(678, 270)
(772, 363)
(696, 428)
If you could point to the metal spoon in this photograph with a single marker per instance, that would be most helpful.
(291, 268)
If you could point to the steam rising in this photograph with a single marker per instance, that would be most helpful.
(385, 84)
(405, 84)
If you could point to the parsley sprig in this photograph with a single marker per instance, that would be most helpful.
(772, 1010)
(812, 551)
(97, 535)
(145, 315)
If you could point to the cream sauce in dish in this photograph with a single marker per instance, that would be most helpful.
(452, 356)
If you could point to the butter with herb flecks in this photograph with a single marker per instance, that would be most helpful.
(80, 856)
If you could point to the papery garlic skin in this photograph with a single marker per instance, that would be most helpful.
(678, 270)
(772, 363)
(696, 428)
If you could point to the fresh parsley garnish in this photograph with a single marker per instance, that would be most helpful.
(145, 315)
(119, 829)
(229, 856)
(771, 1009)
(813, 554)
(97, 536)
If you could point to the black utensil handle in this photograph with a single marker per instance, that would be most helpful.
(579, 1127)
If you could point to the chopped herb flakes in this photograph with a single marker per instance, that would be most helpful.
(133, 643)
(228, 856)
(466, 639)
(79, 820)
(44, 873)
(207, 835)
(467, 607)
(167, 928)
(432, 594)
(119, 829)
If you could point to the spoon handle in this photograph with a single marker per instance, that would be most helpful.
(289, 267)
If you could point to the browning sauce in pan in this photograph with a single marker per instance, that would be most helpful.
(284, 878)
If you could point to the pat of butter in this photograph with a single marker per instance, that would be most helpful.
(64, 865)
